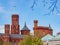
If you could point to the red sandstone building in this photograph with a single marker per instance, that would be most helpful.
(13, 33)
(41, 30)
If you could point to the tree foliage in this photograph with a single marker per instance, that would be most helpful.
(31, 41)
(37, 41)
(2, 42)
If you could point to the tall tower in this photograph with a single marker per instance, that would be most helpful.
(6, 36)
(35, 23)
(15, 24)
(35, 27)
(7, 29)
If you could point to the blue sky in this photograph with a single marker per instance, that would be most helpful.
(26, 14)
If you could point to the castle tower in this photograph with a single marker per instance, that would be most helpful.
(35, 26)
(25, 30)
(6, 36)
(7, 29)
(41, 31)
(35, 23)
(15, 24)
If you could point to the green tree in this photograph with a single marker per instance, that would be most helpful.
(2, 42)
(26, 41)
(10, 43)
(37, 41)
(29, 40)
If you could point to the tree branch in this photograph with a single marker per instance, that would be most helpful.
(34, 3)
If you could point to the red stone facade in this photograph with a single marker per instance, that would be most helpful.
(15, 24)
(25, 32)
(13, 33)
(7, 29)
(15, 29)
(41, 30)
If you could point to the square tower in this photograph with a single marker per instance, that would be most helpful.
(15, 24)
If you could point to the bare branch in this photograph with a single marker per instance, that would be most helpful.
(44, 2)
(53, 5)
(34, 3)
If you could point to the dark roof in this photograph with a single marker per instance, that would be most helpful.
(16, 36)
(2, 34)
(15, 15)
(44, 27)
(50, 27)
(25, 27)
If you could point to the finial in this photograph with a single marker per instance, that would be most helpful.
(49, 26)
(25, 27)
(25, 24)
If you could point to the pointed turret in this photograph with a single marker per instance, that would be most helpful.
(51, 30)
(25, 30)
(50, 27)
(25, 27)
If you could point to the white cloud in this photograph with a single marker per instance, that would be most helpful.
(2, 9)
(12, 2)
(1, 29)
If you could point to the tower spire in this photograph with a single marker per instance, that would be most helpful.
(25, 30)
(50, 27)
(25, 27)
(25, 24)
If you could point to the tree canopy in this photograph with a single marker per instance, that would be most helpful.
(31, 41)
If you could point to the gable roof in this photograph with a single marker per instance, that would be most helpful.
(47, 37)
(2, 34)
(57, 37)
(44, 27)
